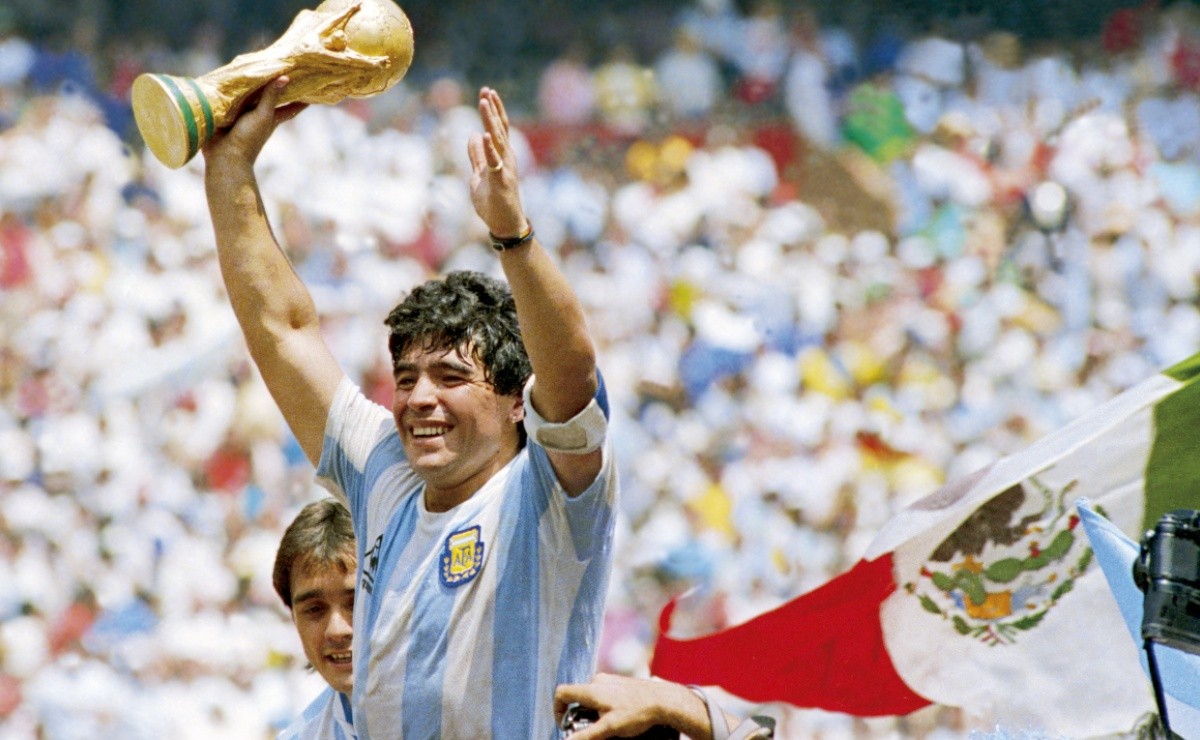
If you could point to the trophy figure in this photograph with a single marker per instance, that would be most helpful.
(344, 48)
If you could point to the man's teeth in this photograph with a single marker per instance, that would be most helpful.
(428, 431)
(340, 657)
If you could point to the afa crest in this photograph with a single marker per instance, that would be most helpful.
(462, 557)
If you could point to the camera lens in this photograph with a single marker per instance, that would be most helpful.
(576, 718)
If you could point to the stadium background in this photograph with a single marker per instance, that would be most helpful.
(805, 241)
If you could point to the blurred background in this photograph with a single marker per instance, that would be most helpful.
(834, 255)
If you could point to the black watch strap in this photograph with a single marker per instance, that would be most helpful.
(501, 244)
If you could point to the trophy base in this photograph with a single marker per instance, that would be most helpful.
(173, 115)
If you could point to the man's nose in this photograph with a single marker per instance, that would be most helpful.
(424, 392)
(341, 624)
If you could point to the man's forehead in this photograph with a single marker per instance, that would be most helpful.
(311, 575)
(420, 356)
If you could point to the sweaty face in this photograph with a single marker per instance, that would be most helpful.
(323, 610)
(457, 431)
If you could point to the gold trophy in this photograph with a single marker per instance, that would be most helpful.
(344, 48)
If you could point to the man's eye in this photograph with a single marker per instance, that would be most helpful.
(404, 382)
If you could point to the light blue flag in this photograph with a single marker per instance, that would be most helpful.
(1179, 671)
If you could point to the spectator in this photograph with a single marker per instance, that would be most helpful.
(806, 94)
(688, 78)
(625, 92)
(566, 90)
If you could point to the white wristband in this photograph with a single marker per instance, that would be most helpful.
(579, 435)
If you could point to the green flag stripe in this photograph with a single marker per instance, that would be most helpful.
(189, 117)
(1173, 467)
(1186, 370)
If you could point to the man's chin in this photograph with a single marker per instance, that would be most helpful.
(340, 678)
(429, 467)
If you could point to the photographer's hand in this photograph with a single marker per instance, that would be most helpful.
(630, 706)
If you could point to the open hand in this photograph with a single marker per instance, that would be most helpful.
(494, 191)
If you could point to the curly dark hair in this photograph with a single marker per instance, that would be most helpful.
(468, 312)
(322, 534)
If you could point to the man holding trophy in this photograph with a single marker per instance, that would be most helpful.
(483, 502)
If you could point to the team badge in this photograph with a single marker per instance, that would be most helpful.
(462, 558)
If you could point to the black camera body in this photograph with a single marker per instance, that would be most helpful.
(1167, 571)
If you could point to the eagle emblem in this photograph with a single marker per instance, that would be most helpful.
(1001, 571)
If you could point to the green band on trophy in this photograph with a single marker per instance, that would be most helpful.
(189, 116)
(205, 107)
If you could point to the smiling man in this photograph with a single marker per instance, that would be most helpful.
(483, 501)
(314, 576)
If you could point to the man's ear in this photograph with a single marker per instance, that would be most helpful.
(517, 413)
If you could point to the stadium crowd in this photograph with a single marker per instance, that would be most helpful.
(953, 248)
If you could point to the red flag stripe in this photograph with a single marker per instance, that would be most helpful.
(823, 649)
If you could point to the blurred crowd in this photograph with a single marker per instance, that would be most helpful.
(827, 273)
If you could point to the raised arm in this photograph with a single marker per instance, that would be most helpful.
(272, 305)
(552, 321)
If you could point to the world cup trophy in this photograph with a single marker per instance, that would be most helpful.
(343, 48)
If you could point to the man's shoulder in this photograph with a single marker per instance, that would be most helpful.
(324, 717)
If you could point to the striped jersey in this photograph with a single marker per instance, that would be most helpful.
(326, 718)
(466, 620)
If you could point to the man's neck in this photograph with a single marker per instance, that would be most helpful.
(439, 499)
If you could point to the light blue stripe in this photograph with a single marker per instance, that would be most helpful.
(602, 395)
(391, 549)
(314, 709)
(587, 617)
(388, 452)
(398, 534)
(425, 671)
(516, 627)
(590, 516)
(334, 464)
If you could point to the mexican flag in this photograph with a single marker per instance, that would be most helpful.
(985, 594)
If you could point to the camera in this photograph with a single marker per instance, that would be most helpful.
(577, 717)
(1167, 571)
